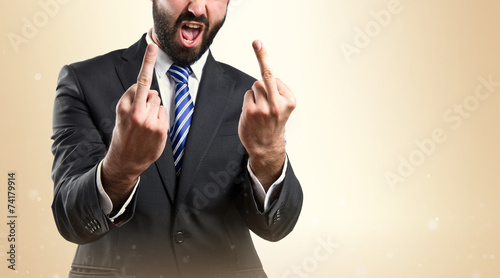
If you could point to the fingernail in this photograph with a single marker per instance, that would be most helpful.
(151, 48)
(257, 45)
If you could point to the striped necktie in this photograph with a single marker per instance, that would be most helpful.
(183, 112)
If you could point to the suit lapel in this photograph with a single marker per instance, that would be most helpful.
(213, 94)
(128, 72)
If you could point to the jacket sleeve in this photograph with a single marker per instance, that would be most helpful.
(280, 219)
(77, 148)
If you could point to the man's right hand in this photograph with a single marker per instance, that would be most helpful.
(139, 136)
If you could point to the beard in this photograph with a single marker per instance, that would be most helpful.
(166, 31)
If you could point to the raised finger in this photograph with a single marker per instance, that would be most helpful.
(145, 76)
(265, 69)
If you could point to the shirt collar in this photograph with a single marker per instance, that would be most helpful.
(163, 62)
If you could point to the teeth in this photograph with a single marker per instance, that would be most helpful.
(194, 26)
(188, 41)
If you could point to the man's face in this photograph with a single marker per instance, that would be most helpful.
(186, 28)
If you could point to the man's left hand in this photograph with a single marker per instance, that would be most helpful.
(266, 109)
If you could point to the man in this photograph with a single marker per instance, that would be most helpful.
(140, 196)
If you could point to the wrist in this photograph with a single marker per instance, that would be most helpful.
(116, 171)
(267, 168)
(117, 181)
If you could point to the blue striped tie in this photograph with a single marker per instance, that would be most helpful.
(183, 112)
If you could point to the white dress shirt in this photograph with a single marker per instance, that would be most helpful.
(167, 87)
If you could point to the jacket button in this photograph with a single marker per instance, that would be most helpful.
(179, 237)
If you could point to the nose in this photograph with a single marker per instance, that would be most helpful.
(197, 7)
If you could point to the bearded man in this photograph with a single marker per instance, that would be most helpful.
(165, 159)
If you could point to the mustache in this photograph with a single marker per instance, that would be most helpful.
(191, 17)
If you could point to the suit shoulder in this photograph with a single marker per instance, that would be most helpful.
(237, 74)
(99, 63)
(105, 64)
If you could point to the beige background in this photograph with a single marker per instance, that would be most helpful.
(358, 117)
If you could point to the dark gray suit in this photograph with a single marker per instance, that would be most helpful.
(197, 226)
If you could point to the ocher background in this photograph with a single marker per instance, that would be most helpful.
(353, 123)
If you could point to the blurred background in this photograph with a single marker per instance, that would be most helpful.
(395, 138)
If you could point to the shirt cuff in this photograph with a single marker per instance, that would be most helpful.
(105, 201)
(264, 199)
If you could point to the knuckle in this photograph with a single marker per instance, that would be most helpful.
(263, 112)
(281, 85)
(248, 94)
(149, 59)
(120, 108)
(274, 110)
(292, 104)
(251, 110)
(258, 85)
(153, 128)
(148, 126)
(143, 80)
(148, 62)
(154, 98)
(160, 131)
(163, 111)
(157, 98)
(136, 118)
(267, 74)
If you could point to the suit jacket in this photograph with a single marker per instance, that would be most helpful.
(194, 226)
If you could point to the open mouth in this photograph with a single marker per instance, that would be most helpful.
(190, 33)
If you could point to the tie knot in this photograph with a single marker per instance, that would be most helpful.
(179, 74)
